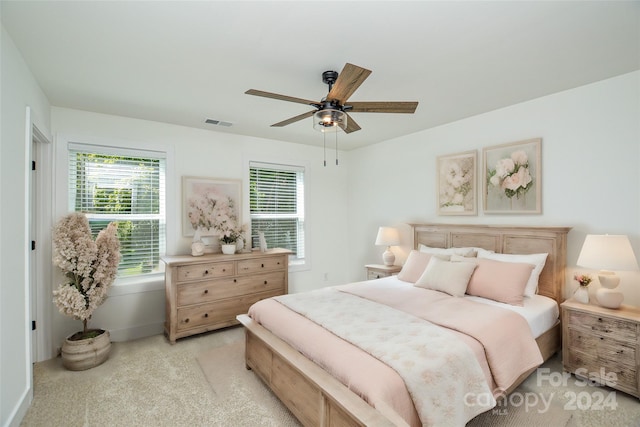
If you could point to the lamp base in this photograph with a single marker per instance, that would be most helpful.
(388, 257)
(609, 298)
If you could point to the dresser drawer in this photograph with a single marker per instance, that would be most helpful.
(204, 271)
(601, 325)
(218, 311)
(257, 265)
(212, 290)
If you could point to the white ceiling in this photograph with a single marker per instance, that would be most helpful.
(181, 62)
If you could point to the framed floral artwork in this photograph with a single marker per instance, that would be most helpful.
(511, 182)
(208, 201)
(457, 184)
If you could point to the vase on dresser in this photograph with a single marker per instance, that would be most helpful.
(229, 249)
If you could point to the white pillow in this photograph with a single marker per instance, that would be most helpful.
(538, 261)
(484, 251)
(466, 252)
(446, 276)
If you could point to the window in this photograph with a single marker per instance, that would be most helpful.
(127, 187)
(276, 198)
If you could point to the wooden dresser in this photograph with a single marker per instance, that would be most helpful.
(208, 292)
(602, 344)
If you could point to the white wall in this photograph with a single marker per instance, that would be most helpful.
(19, 90)
(590, 174)
(132, 312)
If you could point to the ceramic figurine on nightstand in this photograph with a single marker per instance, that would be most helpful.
(582, 293)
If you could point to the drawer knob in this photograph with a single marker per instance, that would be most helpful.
(262, 265)
(186, 320)
(265, 282)
(206, 272)
(224, 269)
(206, 291)
(235, 280)
(599, 319)
(206, 315)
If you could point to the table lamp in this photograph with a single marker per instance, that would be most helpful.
(388, 236)
(606, 253)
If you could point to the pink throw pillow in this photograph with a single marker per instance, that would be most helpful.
(500, 281)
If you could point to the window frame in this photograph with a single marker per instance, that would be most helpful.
(294, 264)
(63, 204)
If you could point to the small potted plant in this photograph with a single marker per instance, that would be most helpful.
(582, 293)
(230, 236)
(90, 267)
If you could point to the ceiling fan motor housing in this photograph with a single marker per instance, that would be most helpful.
(329, 77)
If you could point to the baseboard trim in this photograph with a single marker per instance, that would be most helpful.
(137, 332)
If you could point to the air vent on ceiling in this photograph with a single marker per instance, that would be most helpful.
(217, 122)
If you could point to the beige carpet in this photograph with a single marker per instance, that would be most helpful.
(242, 398)
(525, 407)
(149, 382)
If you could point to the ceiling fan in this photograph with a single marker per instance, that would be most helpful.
(332, 111)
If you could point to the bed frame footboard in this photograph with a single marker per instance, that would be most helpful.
(313, 396)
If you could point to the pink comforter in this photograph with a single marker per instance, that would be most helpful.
(380, 385)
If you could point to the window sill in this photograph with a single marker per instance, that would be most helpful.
(149, 283)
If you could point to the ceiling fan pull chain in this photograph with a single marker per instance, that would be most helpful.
(324, 139)
(336, 147)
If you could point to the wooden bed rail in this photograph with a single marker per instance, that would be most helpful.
(313, 396)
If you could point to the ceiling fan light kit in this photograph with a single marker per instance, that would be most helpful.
(329, 120)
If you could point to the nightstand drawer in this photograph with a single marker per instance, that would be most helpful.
(602, 349)
(589, 366)
(602, 325)
(371, 275)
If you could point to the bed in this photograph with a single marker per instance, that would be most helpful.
(319, 398)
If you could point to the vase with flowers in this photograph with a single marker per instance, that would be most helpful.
(582, 293)
(90, 267)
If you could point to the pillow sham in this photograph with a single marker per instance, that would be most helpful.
(466, 252)
(414, 266)
(500, 281)
(538, 260)
(446, 276)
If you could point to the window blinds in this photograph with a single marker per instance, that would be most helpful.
(276, 197)
(127, 187)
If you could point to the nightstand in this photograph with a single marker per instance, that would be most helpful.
(598, 342)
(376, 271)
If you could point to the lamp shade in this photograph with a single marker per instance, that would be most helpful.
(607, 252)
(388, 236)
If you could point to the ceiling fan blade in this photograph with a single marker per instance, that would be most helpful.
(280, 97)
(293, 119)
(383, 107)
(352, 126)
(349, 79)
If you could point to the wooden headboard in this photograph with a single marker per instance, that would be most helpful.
(507, 239)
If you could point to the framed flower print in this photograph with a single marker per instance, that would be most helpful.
(457, 184)
(512, 179)
(203, 199)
